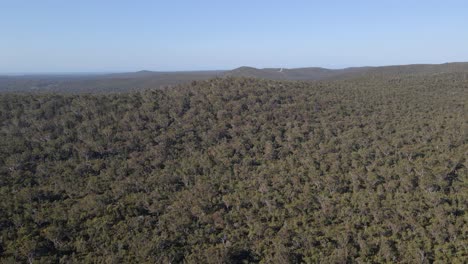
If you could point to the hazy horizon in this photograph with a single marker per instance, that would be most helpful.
(207, 70)
(117, 36)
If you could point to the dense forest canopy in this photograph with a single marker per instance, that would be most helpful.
(239, 170)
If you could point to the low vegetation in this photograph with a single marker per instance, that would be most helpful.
(238, 170)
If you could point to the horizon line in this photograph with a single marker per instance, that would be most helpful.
(77, 73)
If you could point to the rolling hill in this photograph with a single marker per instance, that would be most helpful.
(316, 73)
(141, 80)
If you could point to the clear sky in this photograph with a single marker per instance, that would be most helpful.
(105, 36)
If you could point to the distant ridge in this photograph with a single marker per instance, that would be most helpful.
(145, 79)
(317, 73)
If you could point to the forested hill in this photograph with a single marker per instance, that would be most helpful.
(238, 170)
(316, 73)
(143, 80)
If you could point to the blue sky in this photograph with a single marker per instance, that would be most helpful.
(107, 36)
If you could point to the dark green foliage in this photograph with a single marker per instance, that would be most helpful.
(238, 170)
